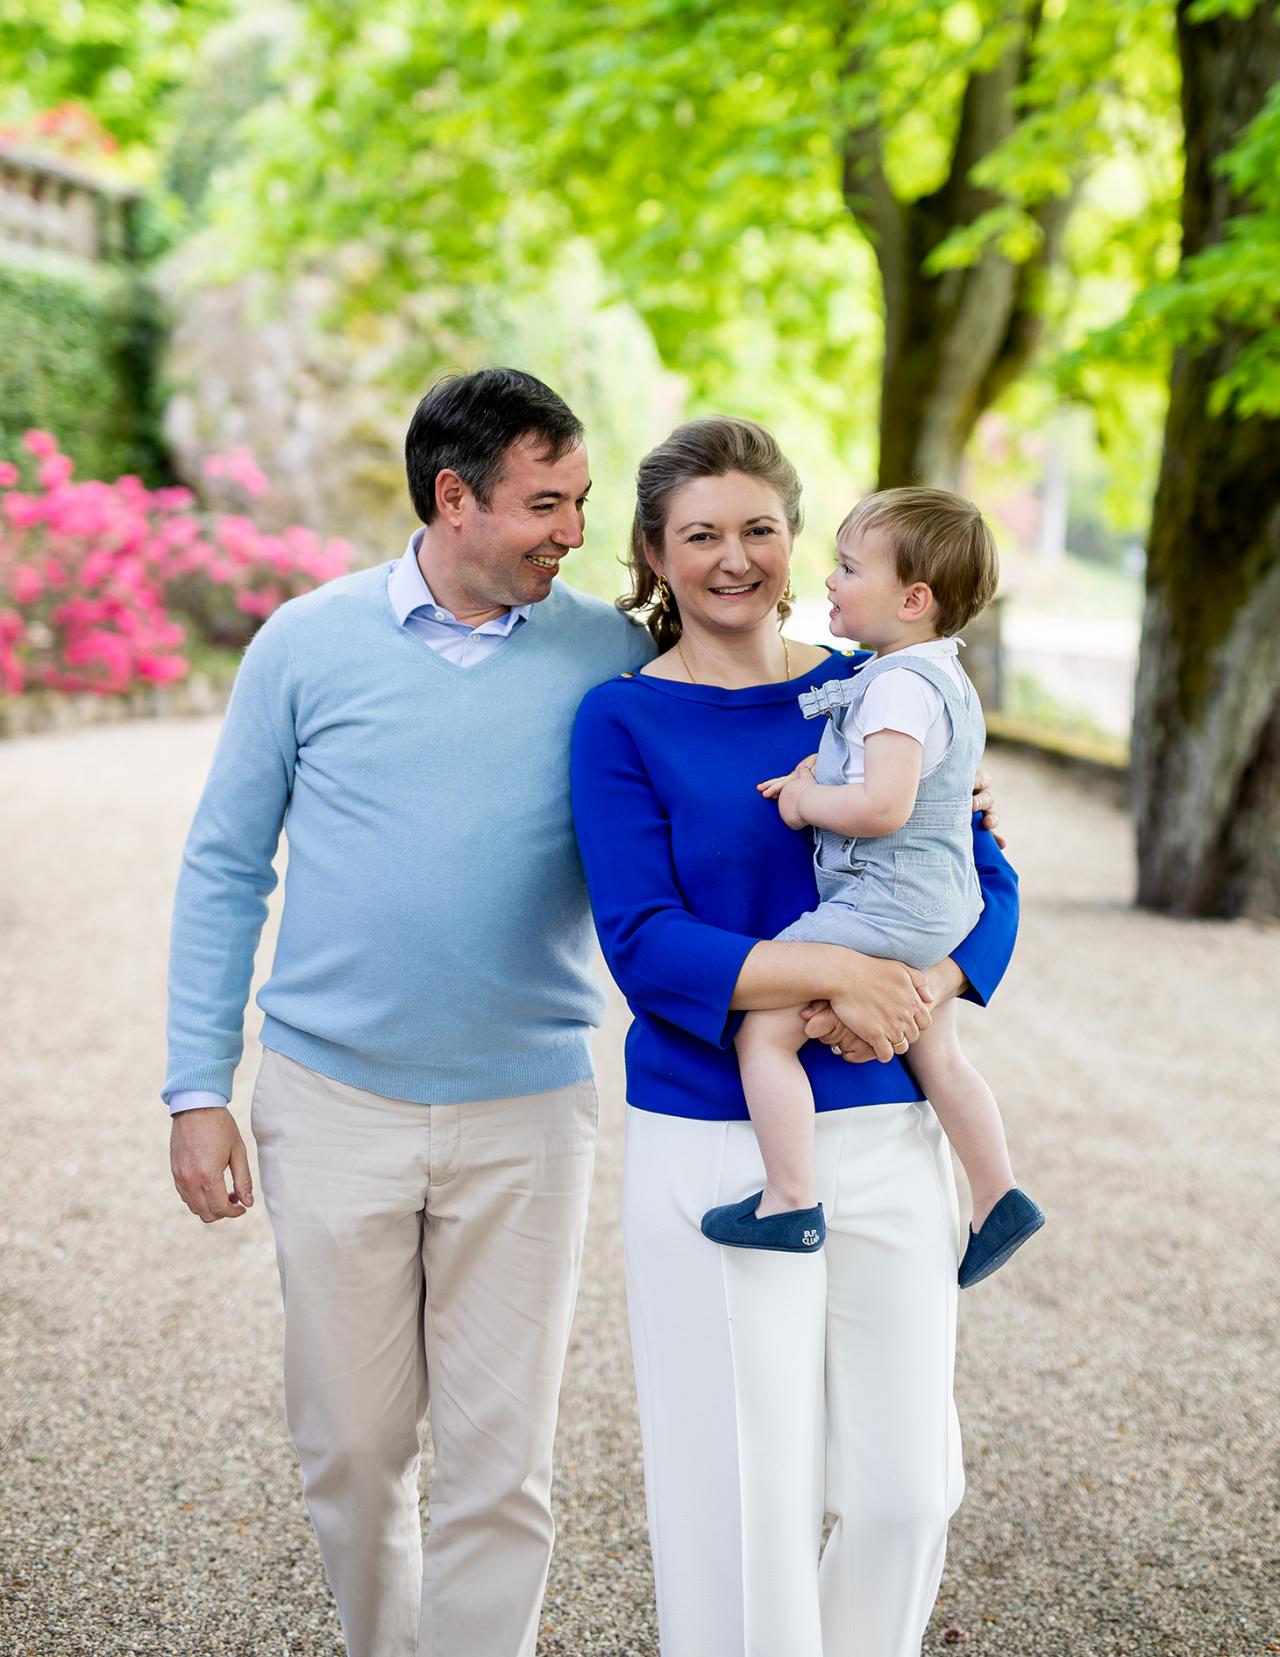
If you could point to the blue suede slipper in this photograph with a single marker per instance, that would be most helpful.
(796, 1231)
(1013, 1219)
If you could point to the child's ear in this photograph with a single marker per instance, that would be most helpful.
(915, 605)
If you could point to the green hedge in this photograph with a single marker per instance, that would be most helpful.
(78, 348)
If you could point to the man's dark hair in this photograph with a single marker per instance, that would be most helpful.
(466, 423)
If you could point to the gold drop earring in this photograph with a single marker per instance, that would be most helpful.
(788, 592)
(664, 596)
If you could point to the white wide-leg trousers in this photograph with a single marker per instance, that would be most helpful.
(429, 1257)
(775, 1388)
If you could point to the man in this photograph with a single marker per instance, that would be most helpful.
(425, 1114)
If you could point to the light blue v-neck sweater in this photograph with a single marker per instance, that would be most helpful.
(436, 940)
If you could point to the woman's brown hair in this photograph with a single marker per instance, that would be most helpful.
(708, 448)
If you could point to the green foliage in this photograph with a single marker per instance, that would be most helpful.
(697, 144)
(121, 58)
(77, 350)
(458, 149)
(1229, 287)
(233, 71)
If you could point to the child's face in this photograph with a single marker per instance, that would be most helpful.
(866, 595)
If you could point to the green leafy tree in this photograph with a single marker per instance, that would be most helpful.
(744, 170)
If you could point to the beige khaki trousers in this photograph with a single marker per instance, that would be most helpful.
(429, 1259)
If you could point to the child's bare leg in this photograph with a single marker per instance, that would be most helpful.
(781, 1104)
(966, 1108)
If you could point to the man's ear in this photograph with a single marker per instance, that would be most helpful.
(452, 495)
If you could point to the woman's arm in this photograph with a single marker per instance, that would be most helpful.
(685, 970)
(882, 1002)
(984, 955)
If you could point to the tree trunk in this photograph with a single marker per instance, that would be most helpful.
(1206, 736)
(953, 341)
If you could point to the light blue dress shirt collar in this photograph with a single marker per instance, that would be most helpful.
(410, 596)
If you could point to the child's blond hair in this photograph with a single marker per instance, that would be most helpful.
(938, 538)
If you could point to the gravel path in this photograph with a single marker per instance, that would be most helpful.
(1118, 1384)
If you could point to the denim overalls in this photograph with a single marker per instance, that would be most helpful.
(911, 895)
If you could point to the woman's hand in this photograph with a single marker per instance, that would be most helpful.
(787, 791)
(985, 802)
(945, 980)
(882, 1002)
(821, 1024)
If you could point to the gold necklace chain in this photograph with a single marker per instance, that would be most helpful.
(684, 660)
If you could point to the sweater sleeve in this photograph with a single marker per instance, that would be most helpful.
(985, 953)
(662, 957)
(226, 874)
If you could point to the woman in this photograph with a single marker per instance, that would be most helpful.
(772, 1388)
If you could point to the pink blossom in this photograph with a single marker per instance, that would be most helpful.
(173, 500)
(56, 470)
(160, 670)
(25, 584)
(179, 532)
(80, 612)
(95, 570)
(23, 510)
(12, 679)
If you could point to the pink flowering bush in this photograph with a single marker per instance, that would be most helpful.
(95, 576)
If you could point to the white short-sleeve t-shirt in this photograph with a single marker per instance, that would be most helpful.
(905, 702)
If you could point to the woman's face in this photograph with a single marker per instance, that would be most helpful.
(726, 552)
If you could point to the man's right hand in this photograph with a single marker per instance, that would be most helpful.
(203, 1144)
(882, 1001)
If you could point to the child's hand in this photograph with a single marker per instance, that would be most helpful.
(787, 791)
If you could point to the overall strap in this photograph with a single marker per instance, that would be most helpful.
(968, 729)
(824, 700)
(956, 698)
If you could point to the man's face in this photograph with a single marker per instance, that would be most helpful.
(508, 552)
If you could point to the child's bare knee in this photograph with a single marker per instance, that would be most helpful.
(780, 1029)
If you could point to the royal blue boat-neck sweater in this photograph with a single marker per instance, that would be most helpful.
(688, 867)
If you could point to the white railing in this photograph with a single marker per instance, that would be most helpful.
(47, 203)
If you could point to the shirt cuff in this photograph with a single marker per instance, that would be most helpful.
(195, 1099)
